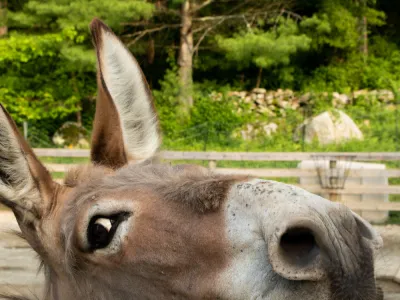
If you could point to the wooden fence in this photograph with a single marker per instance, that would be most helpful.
(214, 157)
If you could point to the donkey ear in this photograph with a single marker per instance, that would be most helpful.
(25, 184)
(125, 125)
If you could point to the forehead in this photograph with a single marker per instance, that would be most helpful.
(190, 186)
(85, 175)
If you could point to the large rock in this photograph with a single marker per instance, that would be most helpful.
(340, 99)
(329, 127)
(259, 91)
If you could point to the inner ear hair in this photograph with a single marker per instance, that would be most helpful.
(25, 184)
(126, 125)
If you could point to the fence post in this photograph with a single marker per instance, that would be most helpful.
(333, 181)
(212, 164)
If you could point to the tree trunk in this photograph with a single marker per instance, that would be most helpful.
(150, 51)
(185, 60)
(3, 18)
(259, 78)
(79, 116)
(365, 37)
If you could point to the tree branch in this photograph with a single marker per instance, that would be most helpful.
(196, 47)
(201, 6)
(292, 14)
(208, 23)
(227, 17)
(138, 23)
(201, 28)
(140, 34)
(222, 18)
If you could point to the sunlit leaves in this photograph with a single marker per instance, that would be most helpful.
(340, 23)
(33, 81)
(49, 70)
(35, 105)
(21, 48)
(78, 13)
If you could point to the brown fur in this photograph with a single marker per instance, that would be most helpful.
(196, 187)
(174, 239)
(108, 147)
(107, 141)
(160, 191)
(85, 173)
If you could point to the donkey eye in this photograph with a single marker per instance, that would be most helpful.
(102, 229)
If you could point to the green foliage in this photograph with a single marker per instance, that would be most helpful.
(47, 66)
(355, 73)
(218, 113)
(265, 48)
(338, 29)
(166, 100)
(378, 123)
(24, 88)
(338, 23)
(22, 48)
(213, 118)
(59, 14)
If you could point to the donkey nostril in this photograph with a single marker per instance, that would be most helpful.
(295, 254)
(298, 246)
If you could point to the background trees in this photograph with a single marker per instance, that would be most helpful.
(189, 48)
(49, 49)
(195, 23)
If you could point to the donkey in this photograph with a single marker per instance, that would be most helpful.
(129, 227)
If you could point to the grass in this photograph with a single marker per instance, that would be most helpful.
(394, 218)
(65, 160)
(58, 175)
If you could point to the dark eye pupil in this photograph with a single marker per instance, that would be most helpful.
(99, 237)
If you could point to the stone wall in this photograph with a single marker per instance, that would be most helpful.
(274, 103)
(272, 107)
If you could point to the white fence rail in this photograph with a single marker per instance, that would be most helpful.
(214, 157)
(236, 156)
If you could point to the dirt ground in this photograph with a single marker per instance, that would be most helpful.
(19, 265)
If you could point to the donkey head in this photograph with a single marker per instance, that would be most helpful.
(128, 228)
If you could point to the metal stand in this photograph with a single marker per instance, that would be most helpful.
(332, 173)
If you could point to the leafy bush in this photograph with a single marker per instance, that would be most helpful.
(166, 101)
(219, 114)
(212, 119)
(355, 73)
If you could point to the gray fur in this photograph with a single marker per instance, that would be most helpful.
(16, 188)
